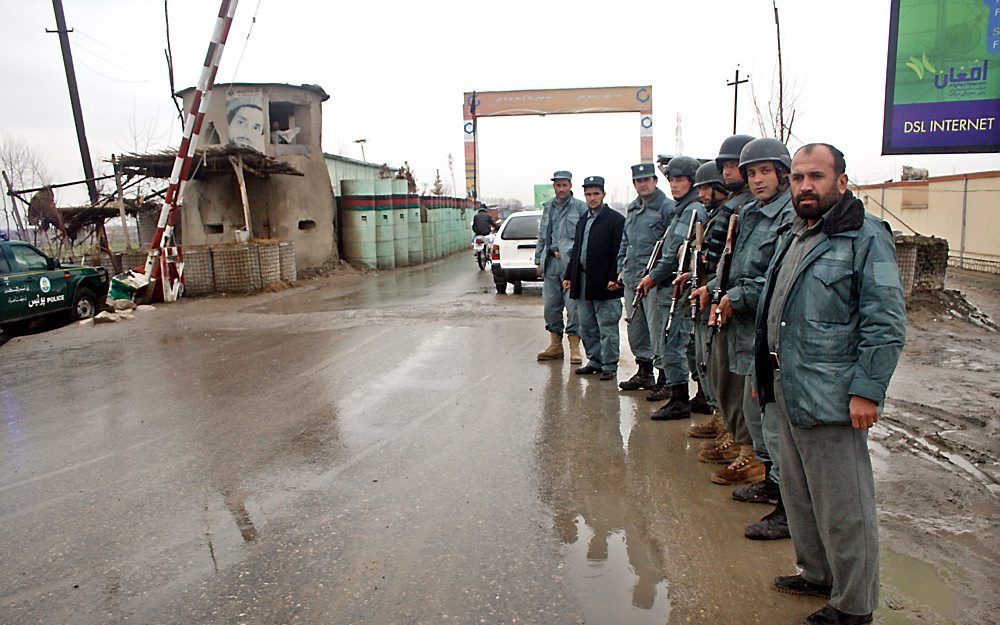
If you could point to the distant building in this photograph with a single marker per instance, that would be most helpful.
(344, 168)
(962, 208)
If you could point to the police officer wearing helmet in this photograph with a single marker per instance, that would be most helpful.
(673, 348)
(765, 163)
(646, 219)
(727, 386)
(713, 193)
(592, 280)
(556, 232)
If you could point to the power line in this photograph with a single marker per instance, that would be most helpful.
(253, 22)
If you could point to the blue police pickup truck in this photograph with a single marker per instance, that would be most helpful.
(33, 285)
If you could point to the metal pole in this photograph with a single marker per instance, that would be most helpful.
(965, 205)
(160, 257)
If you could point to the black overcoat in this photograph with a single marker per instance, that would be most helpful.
(602, 255)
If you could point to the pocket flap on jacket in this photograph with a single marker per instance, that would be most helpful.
(829, 274)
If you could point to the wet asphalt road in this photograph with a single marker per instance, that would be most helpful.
(378, 450)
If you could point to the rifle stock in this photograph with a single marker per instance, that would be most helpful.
(650, 264)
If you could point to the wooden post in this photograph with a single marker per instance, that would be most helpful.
(238, 166)
(21, 232)
(121, 202)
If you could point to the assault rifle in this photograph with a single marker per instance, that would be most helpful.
(682, 263)
(653, 259)
(722, 273)
(699, 235)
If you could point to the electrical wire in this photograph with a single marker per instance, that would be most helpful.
(253, 22)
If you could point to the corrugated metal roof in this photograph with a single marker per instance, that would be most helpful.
(346, 159)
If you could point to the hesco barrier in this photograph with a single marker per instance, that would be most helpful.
(269, 261)
(357, 221)
(245, 267)
(427, 228)
(286, 258)
(923, 263)
(199, 275)
(400, 225)
(415, 250)
(385, 248)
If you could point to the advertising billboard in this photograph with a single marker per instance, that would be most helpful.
(942, 93)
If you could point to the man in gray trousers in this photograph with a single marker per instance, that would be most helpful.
(831, 323)
(556, 238)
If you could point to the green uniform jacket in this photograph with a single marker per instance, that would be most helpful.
(755, 244)
(644, 225)
(843, 324)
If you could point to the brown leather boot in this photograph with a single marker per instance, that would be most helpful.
(724, 454)
(555, 349)
(716, 442)
(575, 358)
(710, 429)
(744, 469)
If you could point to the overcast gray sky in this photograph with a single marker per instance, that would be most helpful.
(396, 72)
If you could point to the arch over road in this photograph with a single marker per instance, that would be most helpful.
(634, 99)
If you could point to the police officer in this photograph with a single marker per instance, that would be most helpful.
(674, 356)
(556, 232)
(713, 194)
(592, 280)
(830, 327)
(646, 220)
(727, 386)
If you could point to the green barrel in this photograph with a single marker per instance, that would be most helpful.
(357, 221)
(416, 249)
(400, 224)
(385, 249)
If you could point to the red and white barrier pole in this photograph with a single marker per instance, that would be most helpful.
(165, 260)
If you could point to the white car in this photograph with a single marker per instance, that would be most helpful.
(514, 250)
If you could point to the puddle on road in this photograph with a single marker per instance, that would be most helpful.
(611, 586)
(912, 590)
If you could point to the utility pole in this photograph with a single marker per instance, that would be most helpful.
(736, 93)
(74, 98)
(81, 132)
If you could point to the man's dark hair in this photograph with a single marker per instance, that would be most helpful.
(231, 113)
(839, 163)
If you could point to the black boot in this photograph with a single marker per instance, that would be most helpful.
(774, 526)
(679, 406)
(699, 403)
(659, 392)
(764, 491)
(643, 378)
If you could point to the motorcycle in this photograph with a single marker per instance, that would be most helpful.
(482, 249)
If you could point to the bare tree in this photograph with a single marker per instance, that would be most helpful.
(25, 169)
(782, 104)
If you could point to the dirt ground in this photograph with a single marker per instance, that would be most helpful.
(936, 451)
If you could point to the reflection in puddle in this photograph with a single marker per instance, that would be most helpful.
(612, 586)
(626, 423)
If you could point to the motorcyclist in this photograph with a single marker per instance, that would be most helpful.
(483, 223)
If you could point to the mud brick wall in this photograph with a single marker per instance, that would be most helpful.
(923, 263)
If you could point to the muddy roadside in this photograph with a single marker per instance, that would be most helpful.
(936, 454)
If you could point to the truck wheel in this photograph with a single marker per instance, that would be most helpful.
(84, 304)
(501, 285)
(518, 287)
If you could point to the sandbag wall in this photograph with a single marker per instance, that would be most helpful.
(384, 227)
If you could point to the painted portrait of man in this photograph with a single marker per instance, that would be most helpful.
(245, 119)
